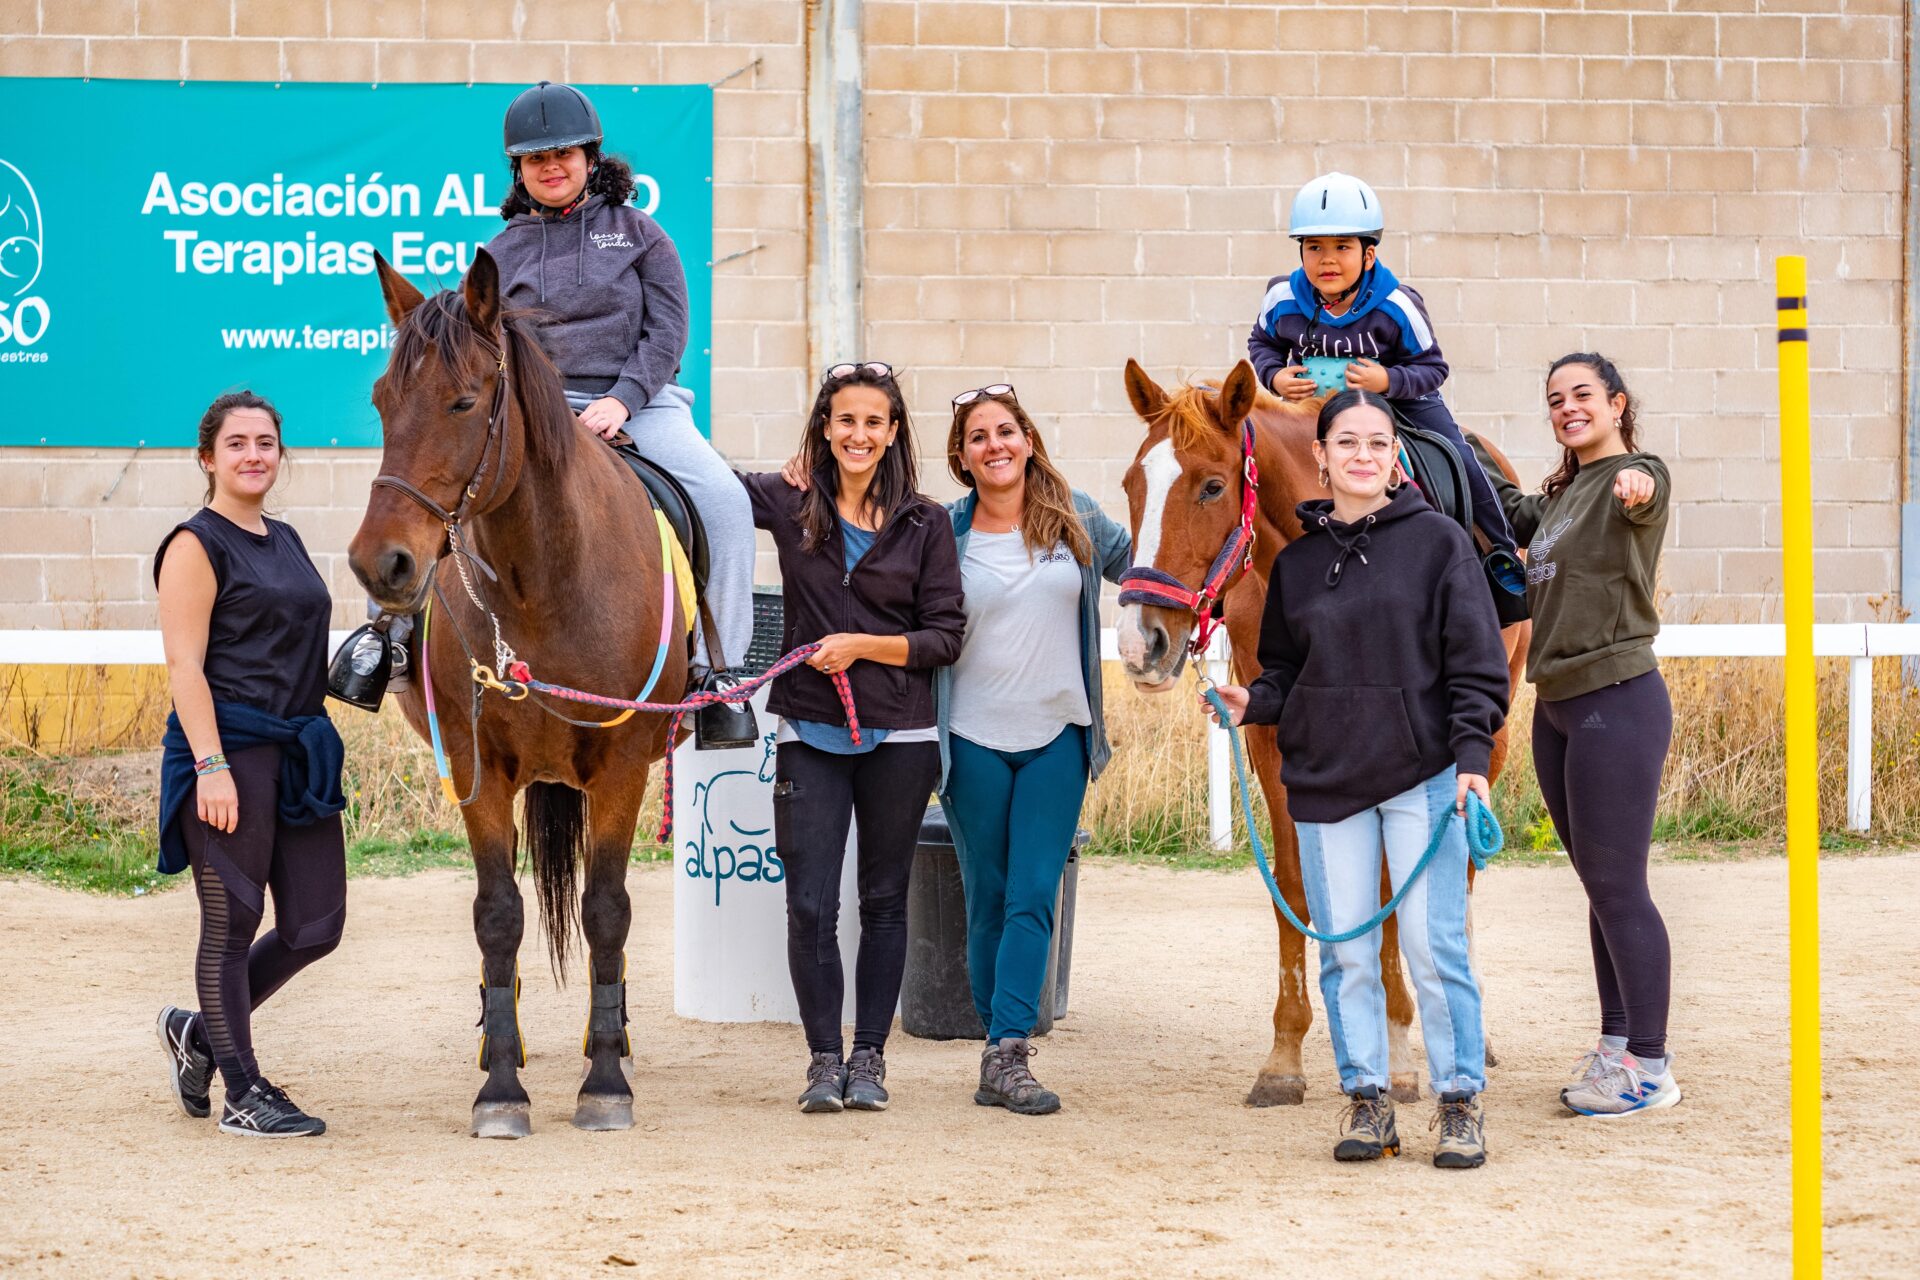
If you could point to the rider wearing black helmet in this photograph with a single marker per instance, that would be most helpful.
(609, 285)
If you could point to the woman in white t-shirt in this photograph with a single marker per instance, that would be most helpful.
(1021, 731)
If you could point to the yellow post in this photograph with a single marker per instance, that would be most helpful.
(1803, 801)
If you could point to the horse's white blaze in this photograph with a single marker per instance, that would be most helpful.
(1160, 468)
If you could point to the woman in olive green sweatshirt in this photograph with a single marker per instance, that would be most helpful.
(1601, 722)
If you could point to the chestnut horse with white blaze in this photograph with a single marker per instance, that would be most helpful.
(1185, 491)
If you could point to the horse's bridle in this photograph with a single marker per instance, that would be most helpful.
(495, 443)
(1144, 584)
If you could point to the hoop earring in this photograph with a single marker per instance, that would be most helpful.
(1393, 481)
(1326, 481)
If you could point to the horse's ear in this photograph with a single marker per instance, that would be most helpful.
(482, 288)
(1238, 395)
(399, 292)
(1148, 399)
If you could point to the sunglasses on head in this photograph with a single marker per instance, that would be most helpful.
(996, 389)
(878, 368)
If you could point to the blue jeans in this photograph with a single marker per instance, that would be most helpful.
(1340, 865)
(1013, 813)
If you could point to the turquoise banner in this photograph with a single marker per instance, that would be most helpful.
(170, 242)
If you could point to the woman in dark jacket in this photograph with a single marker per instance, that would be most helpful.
(869, 572)
(1381, 662)
(250, 766)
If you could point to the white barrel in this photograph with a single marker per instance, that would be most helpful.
(729, 888)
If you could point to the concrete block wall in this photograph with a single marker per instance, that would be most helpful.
(73, 556)
(1053, 186)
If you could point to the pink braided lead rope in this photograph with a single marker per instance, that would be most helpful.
(704, 698)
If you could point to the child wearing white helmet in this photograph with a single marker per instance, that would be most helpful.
(1344, 321)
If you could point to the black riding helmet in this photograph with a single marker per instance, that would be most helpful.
(548, 117)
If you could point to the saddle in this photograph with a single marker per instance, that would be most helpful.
(672, 501)
(1441, 476)
(1437, 471)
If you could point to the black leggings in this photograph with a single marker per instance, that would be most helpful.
(815, 794)
(1599, 758)
(306, 868)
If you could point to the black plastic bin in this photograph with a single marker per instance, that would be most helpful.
(936, 998)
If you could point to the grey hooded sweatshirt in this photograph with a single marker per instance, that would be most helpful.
(609, 283)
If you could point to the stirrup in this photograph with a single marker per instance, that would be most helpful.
(723, 726)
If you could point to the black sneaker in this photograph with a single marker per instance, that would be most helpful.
(265, 1111)
(866, 1081)
(826, 1082)
(189, 1071)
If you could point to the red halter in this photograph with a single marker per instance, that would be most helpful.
(1144, 584)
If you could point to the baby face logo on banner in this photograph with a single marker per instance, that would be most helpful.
(228, 241)
(23, 319)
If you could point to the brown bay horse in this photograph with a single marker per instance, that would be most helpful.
(480, 446)
(1184, 493)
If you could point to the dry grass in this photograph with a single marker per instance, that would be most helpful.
(86, 817)
(1724, 780)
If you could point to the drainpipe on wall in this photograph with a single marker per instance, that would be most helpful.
(835, 190)
(1910, 473)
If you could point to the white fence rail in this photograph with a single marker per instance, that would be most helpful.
(1859, 642)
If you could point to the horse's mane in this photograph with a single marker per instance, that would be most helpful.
(441, 321)
(1190, 418)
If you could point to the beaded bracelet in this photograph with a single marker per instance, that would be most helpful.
(212, 764)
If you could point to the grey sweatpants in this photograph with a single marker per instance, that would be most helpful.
(665, 433)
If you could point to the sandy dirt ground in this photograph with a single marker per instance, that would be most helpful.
(1155, 1168)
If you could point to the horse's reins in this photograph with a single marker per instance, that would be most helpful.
(1144, 584)
(509, 675)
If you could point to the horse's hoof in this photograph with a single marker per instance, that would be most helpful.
(1277, 1091)
(1404, 1088)
(502, 1120)
(599, 1112)
(1493, 1060)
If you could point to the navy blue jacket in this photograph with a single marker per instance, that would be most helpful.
(1387, 322)
(312, 757)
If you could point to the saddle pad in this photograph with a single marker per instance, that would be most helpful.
(680, 568)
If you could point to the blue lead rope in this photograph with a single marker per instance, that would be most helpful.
(1484, 840)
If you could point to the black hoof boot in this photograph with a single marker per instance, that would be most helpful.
(606, 1100)
(723, 725)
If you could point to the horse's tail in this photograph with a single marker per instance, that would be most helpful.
(554, 834)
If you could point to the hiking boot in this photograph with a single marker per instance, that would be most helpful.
(866, 1081)
(189, 1071)
(1006, 1082)
(1463, 1132)
(826, 1082)
(1367, 1131)
(1595, 1063)
(1624, 1089)
(265, 1111)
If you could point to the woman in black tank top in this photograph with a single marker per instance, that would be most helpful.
(250, 771)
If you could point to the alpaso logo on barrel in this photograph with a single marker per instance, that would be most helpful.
(721, 849)
(23, 316)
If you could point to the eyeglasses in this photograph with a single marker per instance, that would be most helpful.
(997, 389)
(1379, 446)
(878, 368)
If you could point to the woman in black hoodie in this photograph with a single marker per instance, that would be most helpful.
(1381, 663)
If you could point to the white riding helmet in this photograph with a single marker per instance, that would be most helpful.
(1336, 204)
